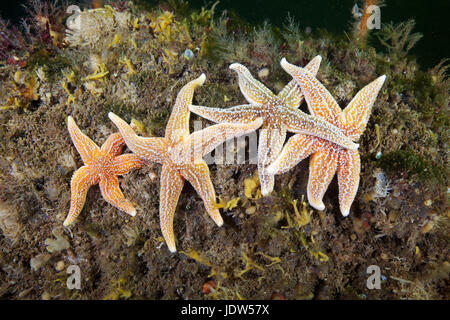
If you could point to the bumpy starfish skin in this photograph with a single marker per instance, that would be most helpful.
(180, 154)
(280, 115)
(327, 157)
(102, 166)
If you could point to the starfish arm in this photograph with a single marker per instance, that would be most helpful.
(178, 125)
(204, 141)
(239, 114)
(292, 94)
(270, 143)
(348, 178)
(253, 90)
(113, 145)
(296, 149)
(320, 102)
(356, 115)
(300, 122)
(126, 162)
(84, 145)
(171, 186)
(110, 190)
(81, 181)
(322, 167)
(198, 176)
(148, 148)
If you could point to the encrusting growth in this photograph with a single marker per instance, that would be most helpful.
(327, 157)
(181, 154)
(101, 166)
(280, 115)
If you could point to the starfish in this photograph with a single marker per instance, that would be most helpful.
(280, 114)
(101, 166)
(327, 157)
(180, 154)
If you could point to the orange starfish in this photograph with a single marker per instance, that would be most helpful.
(280, 115)
(102, 166)
(328, 157)
(181, 154)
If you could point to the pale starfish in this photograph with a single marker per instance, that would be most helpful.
(181, 154)
(327, 157)
(102, 166)
(280, 115)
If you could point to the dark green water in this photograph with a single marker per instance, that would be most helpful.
(333, 15)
